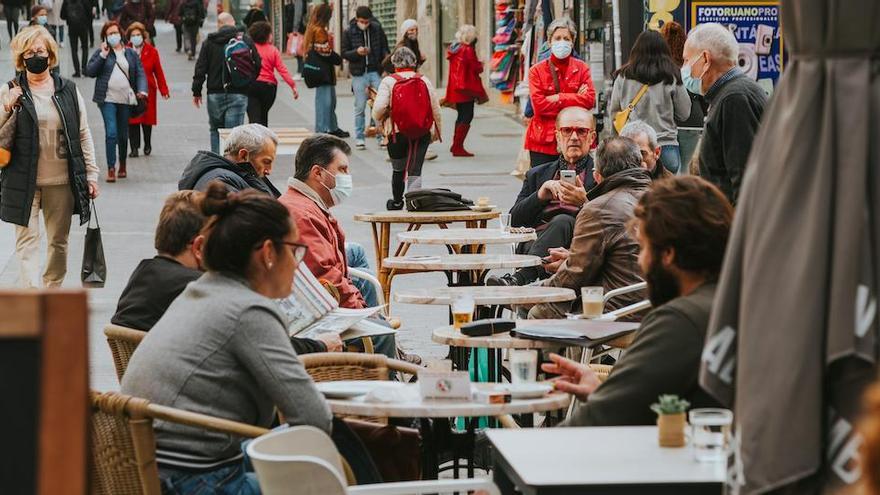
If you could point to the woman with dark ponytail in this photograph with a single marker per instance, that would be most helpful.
(226, 333)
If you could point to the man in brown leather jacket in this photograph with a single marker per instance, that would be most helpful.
(603, 252)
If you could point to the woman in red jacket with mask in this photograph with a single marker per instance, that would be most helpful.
(560, 81)
(464, 87)
(139, 40)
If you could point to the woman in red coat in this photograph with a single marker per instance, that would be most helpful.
(138, 40)
(572, 87)
(464, 86)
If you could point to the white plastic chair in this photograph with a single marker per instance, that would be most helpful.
(364, 275)
(303, 460)
(624, 290)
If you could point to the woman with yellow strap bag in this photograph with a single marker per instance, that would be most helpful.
(648, 88)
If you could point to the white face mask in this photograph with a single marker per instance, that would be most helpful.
(561, 49)
(343, 189)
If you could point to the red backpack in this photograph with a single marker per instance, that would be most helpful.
(411, 109)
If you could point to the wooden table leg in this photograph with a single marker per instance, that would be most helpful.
(382, 253)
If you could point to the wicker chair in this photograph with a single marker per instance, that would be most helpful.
(122, 341)
(601, 370)
(124, 447)
(335, 366)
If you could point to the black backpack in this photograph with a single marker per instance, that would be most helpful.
(190, 14)
(77, 14)
(435, 200)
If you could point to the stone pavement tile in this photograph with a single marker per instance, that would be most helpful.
(129, 208)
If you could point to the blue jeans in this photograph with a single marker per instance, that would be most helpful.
(115, 131)
(229, 480)
(671, 157)
(359, 84)
(356, 257)
(225, 111)
(325, 109)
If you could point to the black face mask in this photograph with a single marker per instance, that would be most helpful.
(36, 64)
(662, 285)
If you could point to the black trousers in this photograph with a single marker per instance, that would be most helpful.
(558, 233)
(79, 38)
(134, 135)
(465, 112)
(90, 31)
(261, 97)
(536, 158)
(12, 14)
(191, 33)
(178, 35)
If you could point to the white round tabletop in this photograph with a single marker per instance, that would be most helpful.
(487, 295)
(460, 262)
(464, 236)
(448, 335)
(419, 217)
(413, 406)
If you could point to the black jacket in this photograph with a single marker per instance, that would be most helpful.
(155, 284)
(528, 209)
(18, 180)
(211, 63)
(735, 109)
(374, 38)
(253, 15)
(77, 14)
(206, 167)
(295, 17)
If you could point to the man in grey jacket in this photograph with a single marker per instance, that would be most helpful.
(682, 225)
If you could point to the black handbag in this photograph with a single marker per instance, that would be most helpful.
(318, 69)
(435, 200)
(94, 267)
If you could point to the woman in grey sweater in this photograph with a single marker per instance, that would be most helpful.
(222, 348)
(650, 64)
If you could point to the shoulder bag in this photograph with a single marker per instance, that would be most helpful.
(7, 132)
(622, 116)
(138, 105)
(94, 266)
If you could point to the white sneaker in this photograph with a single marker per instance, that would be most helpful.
(297, 77)
(360, 144)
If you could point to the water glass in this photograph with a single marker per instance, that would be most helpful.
(523, 366)
(462, 310)
(593, 301)
(504, 221)
(710, 433)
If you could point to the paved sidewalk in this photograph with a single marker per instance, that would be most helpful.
(129, 209)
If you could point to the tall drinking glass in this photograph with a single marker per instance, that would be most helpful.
(710, 433)
(523, 366)
(504, 222)
(462, 311)
(593, 301)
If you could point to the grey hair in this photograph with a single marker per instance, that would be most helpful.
(404, 58)
(616, 155)
(638, 128)
(715, 39)
(466, 34)
(250, 137)
(559, 23)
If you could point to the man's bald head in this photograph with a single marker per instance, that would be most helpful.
(579, 114)
(225, 19)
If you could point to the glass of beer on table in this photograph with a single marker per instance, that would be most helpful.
(462, 310)
(593, 300)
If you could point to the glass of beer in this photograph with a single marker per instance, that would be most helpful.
(462, 310)
(593, 300)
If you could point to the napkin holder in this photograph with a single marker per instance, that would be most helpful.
(445, 385)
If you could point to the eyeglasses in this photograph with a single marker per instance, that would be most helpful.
(298, 250)
(582, 132)
(32, 54)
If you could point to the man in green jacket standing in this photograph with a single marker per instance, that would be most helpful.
(682, 225)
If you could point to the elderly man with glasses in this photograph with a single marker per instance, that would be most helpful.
(549, 201)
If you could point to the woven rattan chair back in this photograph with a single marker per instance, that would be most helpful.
(122, 341)
(336, 366)
(123, 446)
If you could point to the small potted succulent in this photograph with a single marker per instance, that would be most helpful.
(671, 420)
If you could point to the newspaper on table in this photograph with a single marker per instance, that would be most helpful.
(312, 311)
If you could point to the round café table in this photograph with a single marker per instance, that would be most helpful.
(487, 295)
(381, 222)
(465, 240)
(460, 269)
(413, 406)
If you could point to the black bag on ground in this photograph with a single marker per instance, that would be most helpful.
(435, 200)
(94, 267)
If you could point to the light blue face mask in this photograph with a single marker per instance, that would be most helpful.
(114, 39)
(42, 20)
(137, 40)
(691, 83)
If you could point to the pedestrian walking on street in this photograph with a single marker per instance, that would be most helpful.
(319, 48)
(119, 74)
(558, 82)
(409, 112)
(227, 92)
(173, 18)
(56, 22)
(12, 9)
(255, 14)
(52, 166)
(295, 18)
(77, 14)
(408, 37)
(192, 16)
(141, 11)
(365, 46)
(265, 88)
(40, 17)
(464, 87)
(650, 83)
(139, 41)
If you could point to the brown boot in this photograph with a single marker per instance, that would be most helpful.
(122, 173)
(111, 175)
(457, 149)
